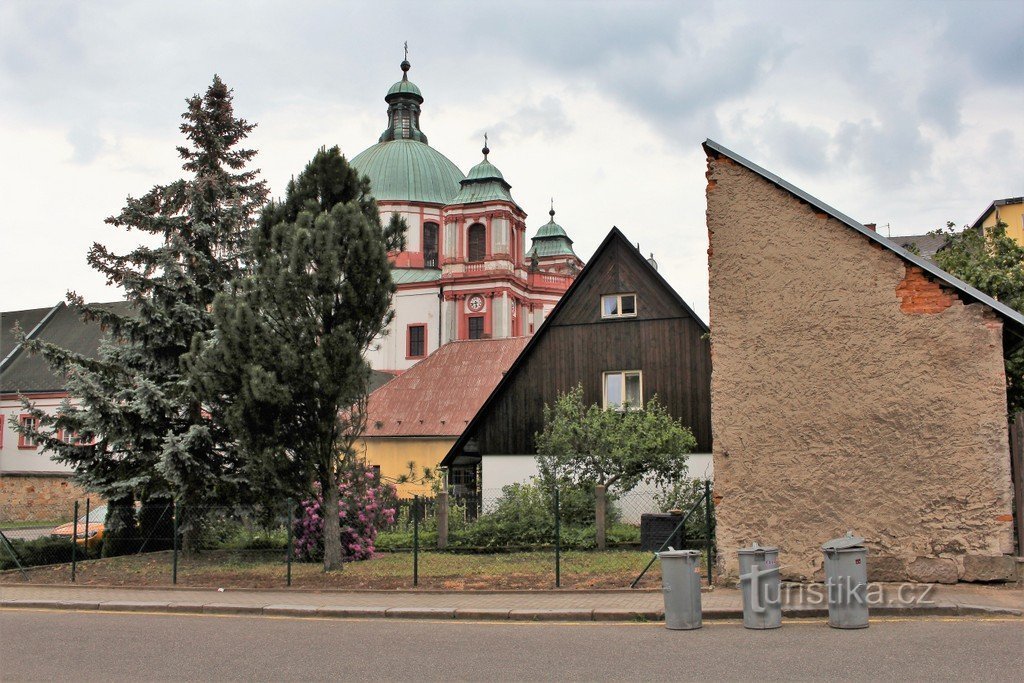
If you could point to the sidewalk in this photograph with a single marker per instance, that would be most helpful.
(617, 605)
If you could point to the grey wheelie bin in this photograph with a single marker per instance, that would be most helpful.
(846, 581)
(680, 582)
(759, 585)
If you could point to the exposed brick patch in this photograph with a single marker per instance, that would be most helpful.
(919, 294)
(39, 497)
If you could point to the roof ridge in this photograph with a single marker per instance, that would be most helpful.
(712, 147)
(33, 333)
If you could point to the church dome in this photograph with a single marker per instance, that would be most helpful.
(551, 240)
(484, 183)
(402, 166)
(408, 170)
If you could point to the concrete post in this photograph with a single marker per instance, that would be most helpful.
(442, 519)
(599, 514)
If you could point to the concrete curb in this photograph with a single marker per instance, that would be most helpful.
(471, 614)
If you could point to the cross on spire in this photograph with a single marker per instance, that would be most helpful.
(486, 150)
(407, 50)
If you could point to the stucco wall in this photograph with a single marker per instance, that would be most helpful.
(837, 405)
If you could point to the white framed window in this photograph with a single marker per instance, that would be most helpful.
(623, 390)
(618, 306)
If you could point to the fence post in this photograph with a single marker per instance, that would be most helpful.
(174, 561)
(415, 541)
(599, 514)
(291, 514)
(708, 545)
(74, 543)
(558, 541)
(442, 519)
(86, 545)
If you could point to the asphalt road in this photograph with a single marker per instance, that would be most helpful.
(42, 645)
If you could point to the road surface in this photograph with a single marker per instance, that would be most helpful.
(116, 646)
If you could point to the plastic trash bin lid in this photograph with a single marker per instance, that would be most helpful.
(844, 542)
(755, 549)
(678, 553)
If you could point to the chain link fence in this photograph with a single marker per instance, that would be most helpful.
(522, 536)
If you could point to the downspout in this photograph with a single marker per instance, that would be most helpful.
(440, 312)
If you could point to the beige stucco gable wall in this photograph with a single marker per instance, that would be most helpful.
(833, 409)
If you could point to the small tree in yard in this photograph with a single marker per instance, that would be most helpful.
(587, 446)
(994, 263)
(286, 367)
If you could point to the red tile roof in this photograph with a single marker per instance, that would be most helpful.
(440, 395)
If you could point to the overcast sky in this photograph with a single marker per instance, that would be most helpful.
(901, 113)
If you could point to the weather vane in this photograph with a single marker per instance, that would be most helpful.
(407, 50)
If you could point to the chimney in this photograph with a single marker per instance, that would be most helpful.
(871, 226)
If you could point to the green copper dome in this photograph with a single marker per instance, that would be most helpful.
(402, 166)
(484, 184)
(408, 170)
(551, 240)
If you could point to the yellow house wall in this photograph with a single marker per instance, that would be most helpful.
(394, 455)
(1013, 216)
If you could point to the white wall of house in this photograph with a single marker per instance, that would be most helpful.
(419, 306)
(13, 457)
(501, 470)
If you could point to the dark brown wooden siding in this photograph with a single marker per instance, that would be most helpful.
(664, 341)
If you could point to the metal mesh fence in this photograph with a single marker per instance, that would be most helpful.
(517, 537)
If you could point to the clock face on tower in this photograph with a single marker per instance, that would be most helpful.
(476, 303)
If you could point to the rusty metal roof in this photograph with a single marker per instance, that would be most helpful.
(440, 395)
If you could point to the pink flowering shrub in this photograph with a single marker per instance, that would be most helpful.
(364, 504)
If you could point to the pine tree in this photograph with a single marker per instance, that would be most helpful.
(286, 365)
(150, 438)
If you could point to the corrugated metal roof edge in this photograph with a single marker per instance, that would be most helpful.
(713, 147)
(614, 234)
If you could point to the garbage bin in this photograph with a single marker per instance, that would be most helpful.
(759, 585)
(680, 582)
(846, 581)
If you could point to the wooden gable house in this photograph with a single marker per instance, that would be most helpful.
(622, 333)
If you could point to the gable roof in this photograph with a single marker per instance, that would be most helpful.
(614, 236)
(440, 394)
(27, 373)
(27, 320)
(927, 244)
(1012, 318)
(992, 207)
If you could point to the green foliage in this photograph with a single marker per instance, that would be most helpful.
(993, 263)
(46, 550)
(686, 495)
(285, 369)
(120, 531)
(585, 445)
(152, 437)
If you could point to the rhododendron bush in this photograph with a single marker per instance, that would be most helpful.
(364, 504)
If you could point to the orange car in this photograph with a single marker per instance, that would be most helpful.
(96, 519)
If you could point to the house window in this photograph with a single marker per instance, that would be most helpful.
(623, 390)
(476, 327)
(417, 341)
(618, 306)
(430, 245)
(477, 242)
(27, 422)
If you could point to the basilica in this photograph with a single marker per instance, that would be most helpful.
(467, 271)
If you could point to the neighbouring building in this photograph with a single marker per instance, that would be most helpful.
(467, 271)
(926, 246)
(413, 421)
(855, 387)
(32, 485)
(622, 333)
(1009, 211)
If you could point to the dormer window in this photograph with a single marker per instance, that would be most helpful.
(618, 306)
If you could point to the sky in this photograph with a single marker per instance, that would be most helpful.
(905, 114)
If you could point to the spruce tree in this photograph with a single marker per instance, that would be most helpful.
(286, 365)
(144, 433)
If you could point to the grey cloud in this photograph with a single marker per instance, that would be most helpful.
(546, 118)
(86, 143)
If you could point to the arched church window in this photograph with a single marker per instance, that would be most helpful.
(477, 242)
(430, 245)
